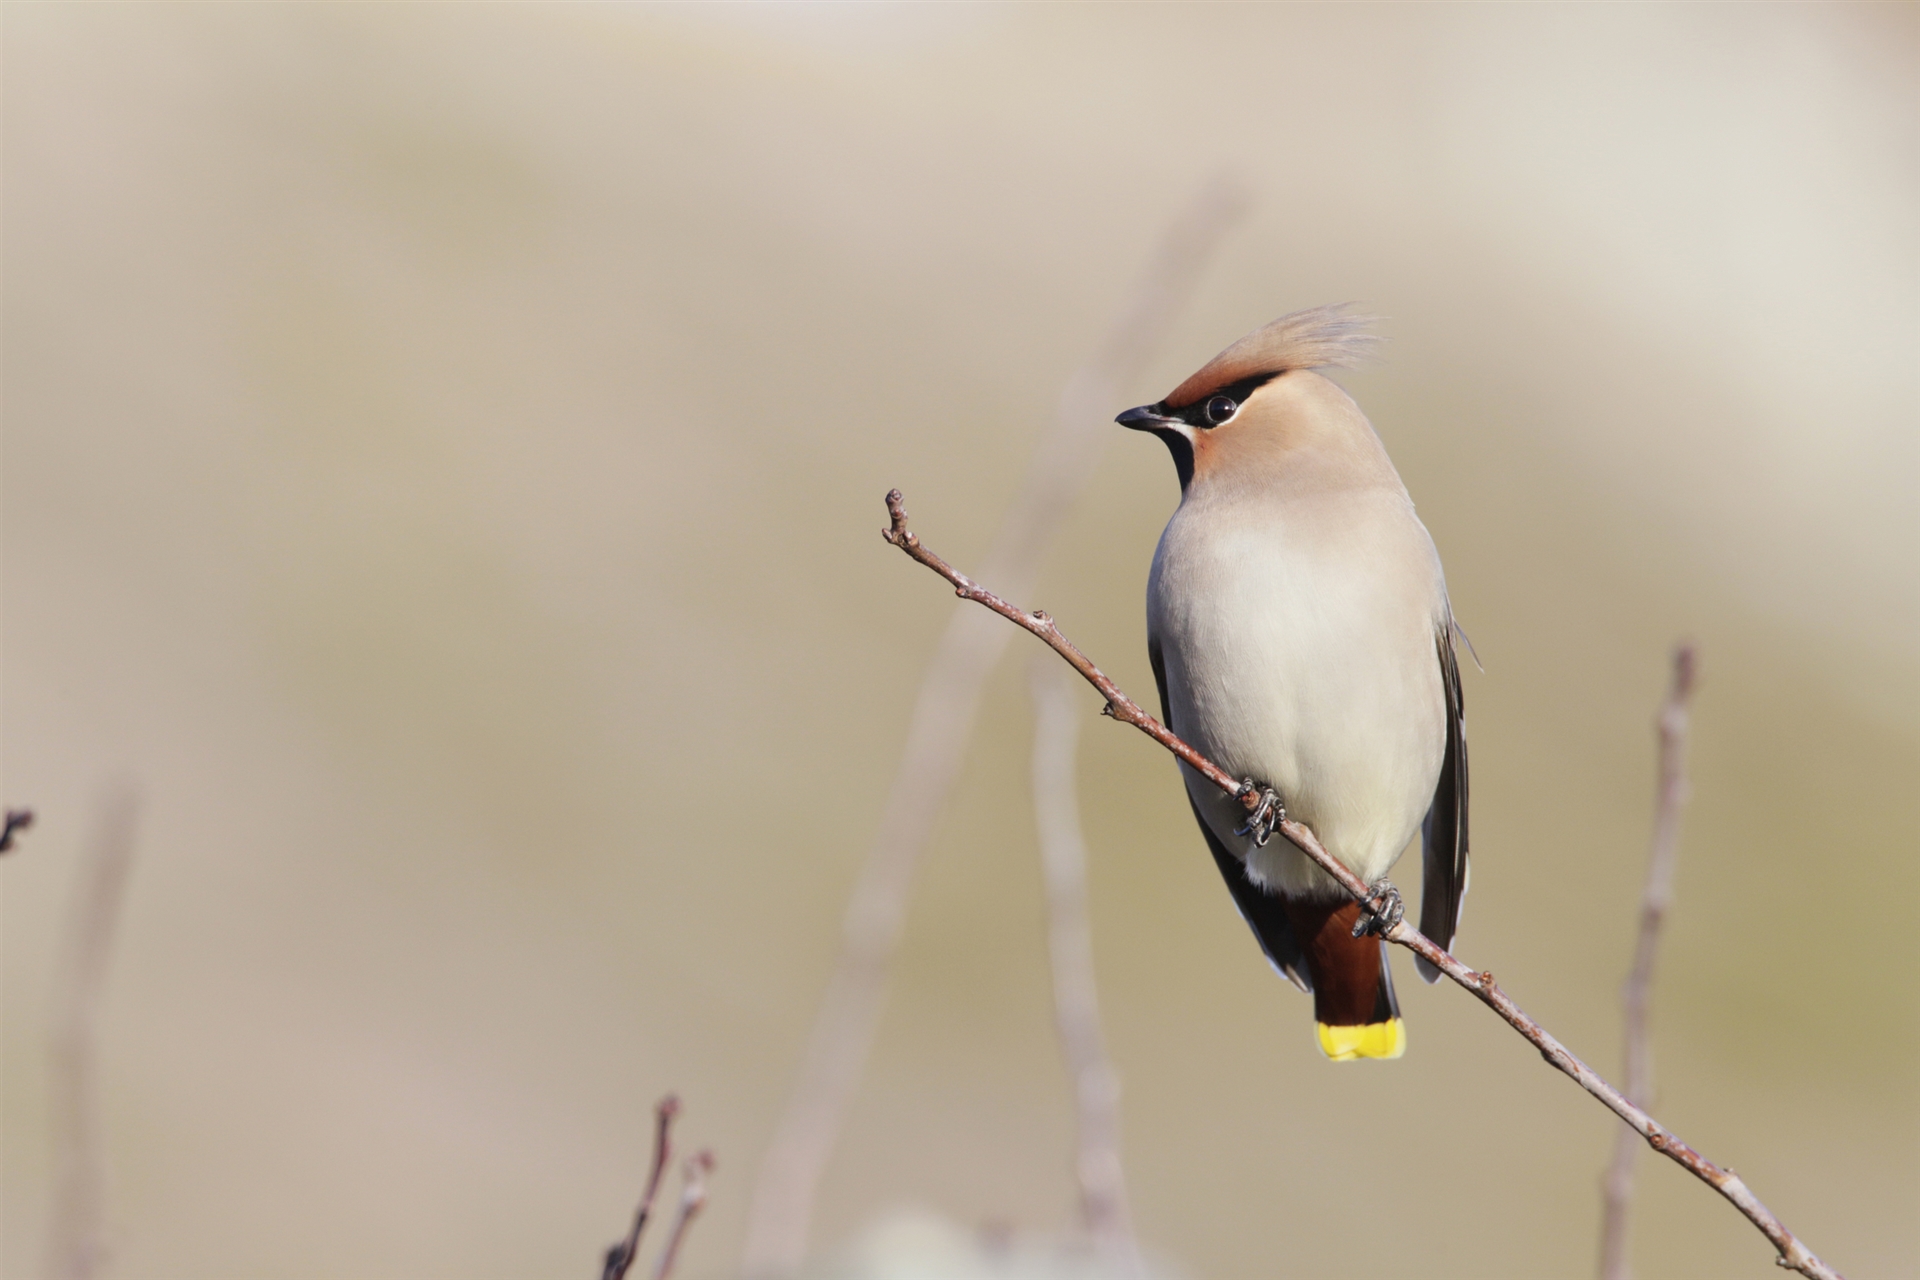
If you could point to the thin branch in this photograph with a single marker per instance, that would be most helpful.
(76, 1248)
(1076, 1005)
(693, 1197)
(621, 1254)
(1793, 1254)
(1672, 798)
(844, 1028)
(16, 820)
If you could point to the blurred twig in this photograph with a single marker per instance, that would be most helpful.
(1671, 799)
(76, 1245)
(1063, 459)
(1076, 1004)
(16, 820)
(1793, 1254)
(621, 1254)
(693, 1197)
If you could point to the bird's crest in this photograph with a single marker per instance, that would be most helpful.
(1329, 337)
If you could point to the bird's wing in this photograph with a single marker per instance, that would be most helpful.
(1444, 836)
(1262, 911)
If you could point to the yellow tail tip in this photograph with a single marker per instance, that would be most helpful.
(1375, 1040)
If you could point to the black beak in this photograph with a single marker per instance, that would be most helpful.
(1145, 418)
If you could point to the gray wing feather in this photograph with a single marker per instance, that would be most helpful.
(1261, 910)
(1444, 834)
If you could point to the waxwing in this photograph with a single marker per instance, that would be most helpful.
(1299, 630)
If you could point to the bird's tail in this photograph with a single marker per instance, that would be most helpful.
(1353, 1000)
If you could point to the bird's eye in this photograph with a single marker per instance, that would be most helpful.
(1220, 408)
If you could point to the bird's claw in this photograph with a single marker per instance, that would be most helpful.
(1264, 818)
(1380, 910)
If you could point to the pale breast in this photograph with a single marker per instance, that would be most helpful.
(1299, 645)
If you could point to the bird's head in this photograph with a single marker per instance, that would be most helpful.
(1234, 393)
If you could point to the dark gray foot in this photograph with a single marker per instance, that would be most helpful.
(1264, 818)
(1380, 910)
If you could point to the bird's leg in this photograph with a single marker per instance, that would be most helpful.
(1380, 910)
(1264, 818)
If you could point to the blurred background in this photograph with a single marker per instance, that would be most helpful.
(444, 449)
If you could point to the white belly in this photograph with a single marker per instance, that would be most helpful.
(1299, 649)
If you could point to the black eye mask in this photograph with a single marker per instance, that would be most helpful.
(1220, 407)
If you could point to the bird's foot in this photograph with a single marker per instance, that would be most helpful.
(1264, 818)
(1380, 910)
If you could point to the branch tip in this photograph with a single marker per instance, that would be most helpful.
(17, 820)
(621, 1254)
(1685, 666)
(693, 1196)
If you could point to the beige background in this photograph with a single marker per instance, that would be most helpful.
(443, 459)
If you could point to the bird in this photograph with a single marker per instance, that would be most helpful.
(1300, 633)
